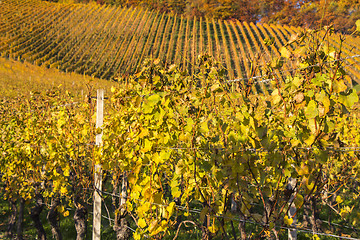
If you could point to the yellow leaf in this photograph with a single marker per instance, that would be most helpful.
(153, 99)
(297, 81)
(204, 127)
(137, 236)
(285, 52)
(147, 146)
(175, 192)
(63, 190)
(310, 186)
(288, 221)
(67, 171)
(144, 132)
(339, 86)
(170, 208)
(215, 88)
(65, 214)
(213, 229)
(303, 170)
(142, 223)
(189, 124)
(357, 23)
(152, 226)
(310, 140)
(313, 125)
(316, 237)
(275, 96)
(339, 199)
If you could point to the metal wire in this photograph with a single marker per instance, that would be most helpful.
(287, 70)
(340, 149)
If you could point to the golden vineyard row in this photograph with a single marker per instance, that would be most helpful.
(108, 41)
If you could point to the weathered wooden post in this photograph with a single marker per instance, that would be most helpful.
(98, 171)
(292, 234)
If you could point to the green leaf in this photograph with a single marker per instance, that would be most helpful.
(310, 93)
(311, 111)
(349, 99)
(298, 201)
(203, 213)
(297, 81)
(320, 79)
(267, 191)
(175, 192)
(189, 124)
(153, 99)
(330, 126)
(204, 127)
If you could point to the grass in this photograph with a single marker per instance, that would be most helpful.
(66, 223)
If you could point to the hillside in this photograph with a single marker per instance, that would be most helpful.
(19, 79)
(109, 42)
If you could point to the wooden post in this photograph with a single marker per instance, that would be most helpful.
(292, 234)
(123, 195)
(98, 172)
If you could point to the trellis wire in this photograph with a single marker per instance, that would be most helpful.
(287, 70)
(340, 149)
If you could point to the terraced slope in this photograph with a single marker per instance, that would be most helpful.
(107, 41)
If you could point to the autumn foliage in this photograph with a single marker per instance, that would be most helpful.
(199, 150)
(341, 13)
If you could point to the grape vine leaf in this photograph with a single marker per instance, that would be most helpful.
(349, 99)
(358, 25)
(311, 111)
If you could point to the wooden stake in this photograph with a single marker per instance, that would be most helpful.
(98, 172)
(292, 234)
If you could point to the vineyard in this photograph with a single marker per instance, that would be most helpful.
(211, 129)
(184, 156)
(110, 42)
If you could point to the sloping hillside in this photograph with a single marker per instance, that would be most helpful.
(108, 42)
(19, 79)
